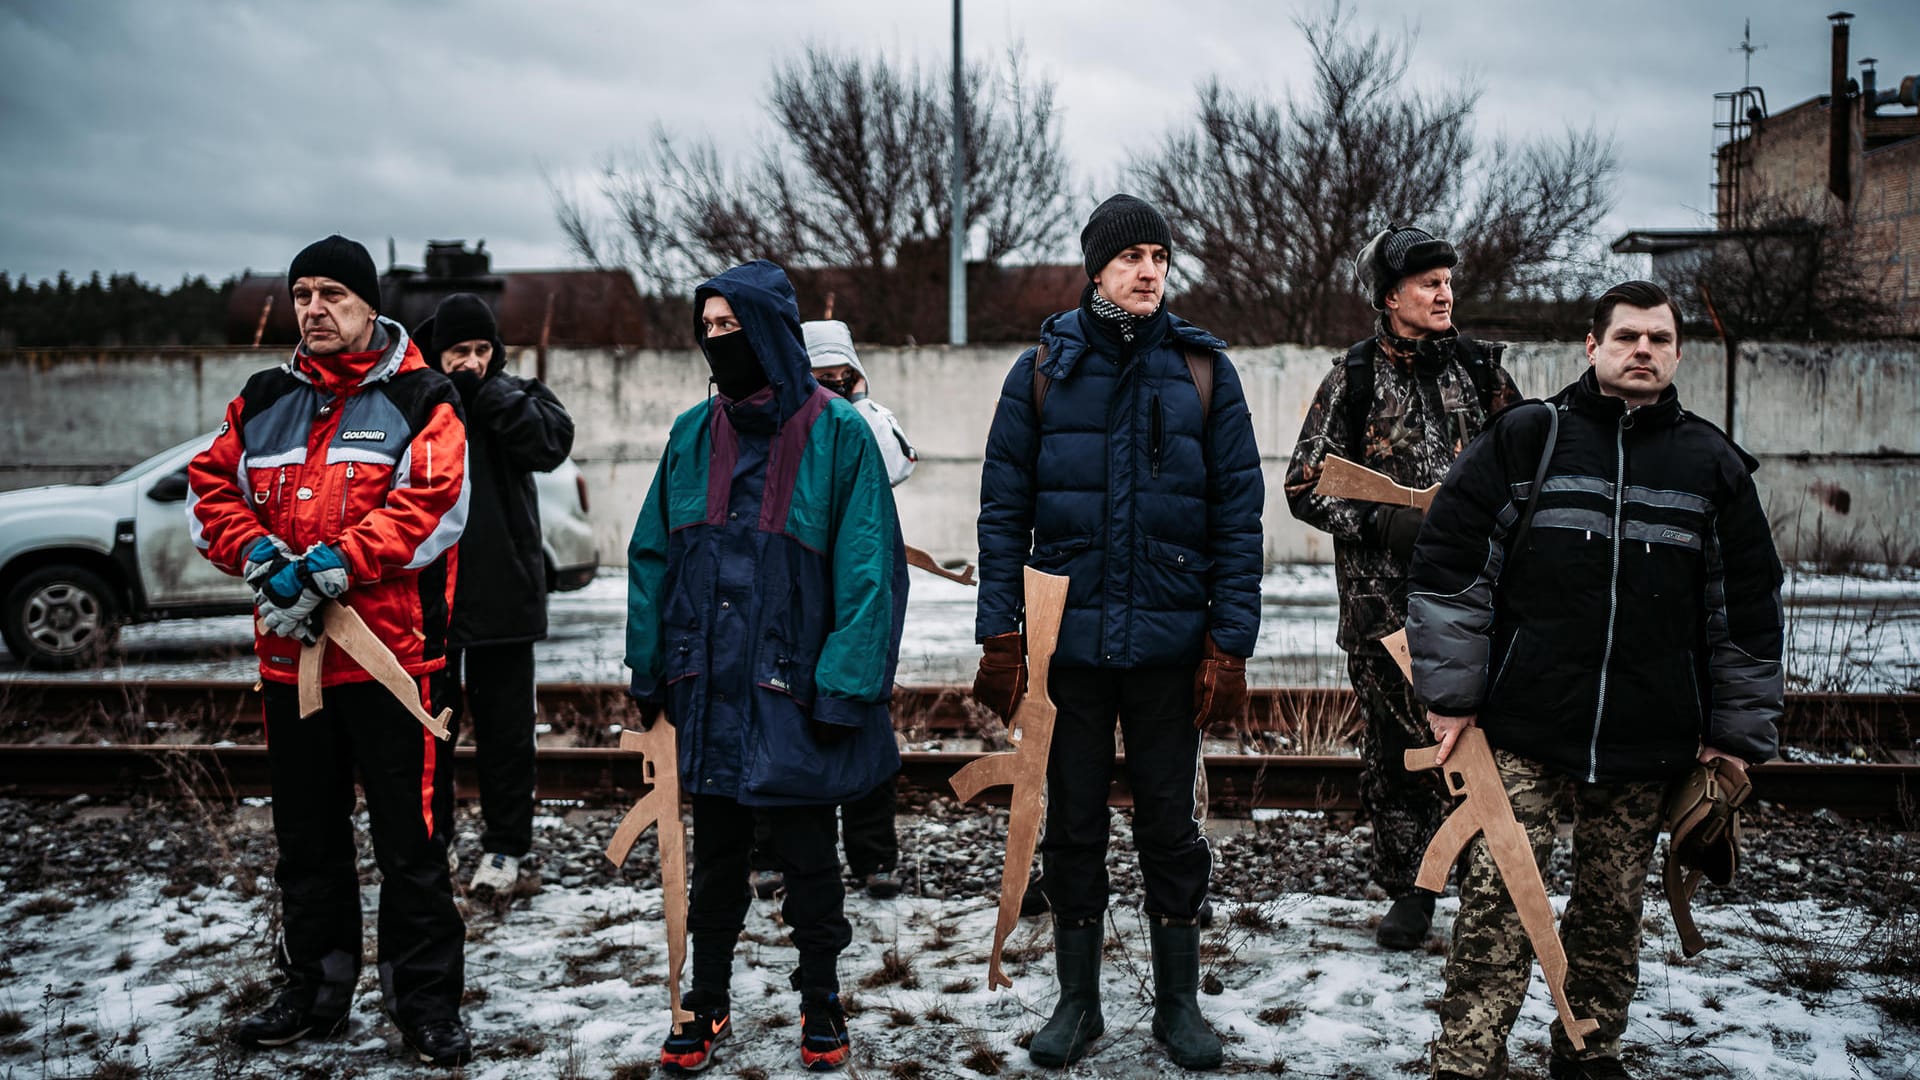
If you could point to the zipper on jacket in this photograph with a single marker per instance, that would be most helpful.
(1157, 431)
(1613, 588)
(345, 488)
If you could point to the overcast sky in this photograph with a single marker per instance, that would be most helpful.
(209, 136)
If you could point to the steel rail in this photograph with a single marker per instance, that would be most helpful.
(1236, 783)
(1887, 722)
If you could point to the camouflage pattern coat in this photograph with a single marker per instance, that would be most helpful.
(1425, 411)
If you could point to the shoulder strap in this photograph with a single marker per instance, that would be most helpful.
(1359, 365)
(1479, 357)
(1200, 366)
(1040, 382)
(1539, 479)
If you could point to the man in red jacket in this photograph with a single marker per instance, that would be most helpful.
(341, 475)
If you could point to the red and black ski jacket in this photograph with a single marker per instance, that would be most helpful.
(363, 451)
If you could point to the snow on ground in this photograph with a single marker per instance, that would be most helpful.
(1844, 633)
(569, 983)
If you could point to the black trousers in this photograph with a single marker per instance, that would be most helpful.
(800, 838)
(1155, 709)
(866, 831)
(407, 776)
(499, 701)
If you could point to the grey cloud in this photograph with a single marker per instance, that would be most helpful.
(205, 136)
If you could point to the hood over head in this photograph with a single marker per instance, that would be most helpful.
(460, 317)
(830, 343)
(762, 300)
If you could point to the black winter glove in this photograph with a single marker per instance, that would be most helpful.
(466, 384)
(650, 709)
(1395, 528)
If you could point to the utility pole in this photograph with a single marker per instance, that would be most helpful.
(957, 208)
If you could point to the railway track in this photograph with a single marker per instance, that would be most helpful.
(1887, 724)
(1236, 783)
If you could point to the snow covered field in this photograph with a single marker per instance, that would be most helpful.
(1846, 633)
(568, 984)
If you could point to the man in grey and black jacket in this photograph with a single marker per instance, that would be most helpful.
(1632, 627)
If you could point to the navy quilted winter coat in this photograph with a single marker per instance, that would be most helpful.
(1151, 508)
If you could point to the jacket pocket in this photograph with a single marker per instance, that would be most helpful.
(780, 669)
(1054, 555)
(1174, 576)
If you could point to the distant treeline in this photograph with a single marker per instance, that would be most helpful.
(119, 309)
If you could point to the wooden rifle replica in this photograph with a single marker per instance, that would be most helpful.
(660, 806)
(1023, 768)
(1472, 776)
(1343, 479)
(919, 558)
(344, 627)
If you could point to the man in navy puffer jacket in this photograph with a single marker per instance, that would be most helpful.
(1126, 463)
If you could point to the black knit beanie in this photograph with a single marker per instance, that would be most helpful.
(1118, 224)
(341, 259)
(462, 317)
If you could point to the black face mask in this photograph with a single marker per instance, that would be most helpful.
(736, 370)
(843, 387)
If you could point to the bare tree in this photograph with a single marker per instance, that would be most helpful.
(1799, 271)
(855, 186)
(1272, 200)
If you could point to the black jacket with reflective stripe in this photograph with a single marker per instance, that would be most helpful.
(1641, 619)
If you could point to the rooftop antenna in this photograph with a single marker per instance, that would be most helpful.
(1747, 46)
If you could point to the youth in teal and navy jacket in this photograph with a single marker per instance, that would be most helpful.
(767, 581)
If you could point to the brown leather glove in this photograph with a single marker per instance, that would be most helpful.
(1219, 687)
(1002, 679)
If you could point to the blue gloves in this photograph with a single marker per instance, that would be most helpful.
(268, 556)
(291, 589)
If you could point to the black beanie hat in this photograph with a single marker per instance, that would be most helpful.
(461, 317)
(343, 260)
(1118, 224)
(1395, 253)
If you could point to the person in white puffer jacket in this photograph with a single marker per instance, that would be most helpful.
(837, 367)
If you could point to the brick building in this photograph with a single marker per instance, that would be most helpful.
(1857, 167)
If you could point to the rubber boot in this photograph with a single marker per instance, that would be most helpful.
(1076, 1019)
(1407, 922)
(1176, 982)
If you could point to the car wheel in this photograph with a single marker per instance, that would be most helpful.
(60, 617)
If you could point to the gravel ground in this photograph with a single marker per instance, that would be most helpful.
(83, 849)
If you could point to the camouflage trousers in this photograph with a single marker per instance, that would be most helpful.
(1405, 808)
(1491, 961)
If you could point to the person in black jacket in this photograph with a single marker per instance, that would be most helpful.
(1629, 628)
(515, 428)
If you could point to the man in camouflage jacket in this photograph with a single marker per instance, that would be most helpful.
(1404, 403)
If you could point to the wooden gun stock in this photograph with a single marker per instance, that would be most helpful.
(1024, 768)
(344, 627)
(1472, 776)
(661, 807)
(919, 558)
(1343, 479)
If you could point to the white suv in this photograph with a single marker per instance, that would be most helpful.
(79, 560)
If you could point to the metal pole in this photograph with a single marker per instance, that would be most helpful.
(957, 209)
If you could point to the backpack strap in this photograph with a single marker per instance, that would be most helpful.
(1359, 366)
(1200, 366)
(1539, 479)
(1480, 359)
